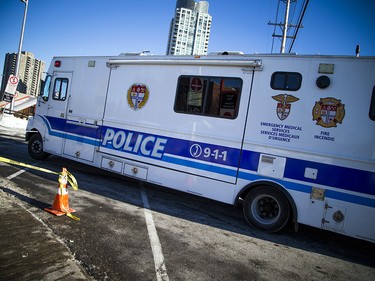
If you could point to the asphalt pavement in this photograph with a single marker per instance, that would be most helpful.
(28, 248)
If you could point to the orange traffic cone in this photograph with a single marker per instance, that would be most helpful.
(61, 203)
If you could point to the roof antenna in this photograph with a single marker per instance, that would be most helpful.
(357, 51)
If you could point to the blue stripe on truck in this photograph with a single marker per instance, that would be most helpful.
(218, 159)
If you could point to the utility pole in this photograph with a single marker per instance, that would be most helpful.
(285, 29)
(21, 37)
(284, 26)
(20, 46)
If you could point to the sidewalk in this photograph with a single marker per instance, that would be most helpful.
(28, 248)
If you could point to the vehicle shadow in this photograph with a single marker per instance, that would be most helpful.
(216, 214)
(26, 199)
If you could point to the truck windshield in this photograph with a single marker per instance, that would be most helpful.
(45, 88)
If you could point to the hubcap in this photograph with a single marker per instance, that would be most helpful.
(37, 147)
(265, 209)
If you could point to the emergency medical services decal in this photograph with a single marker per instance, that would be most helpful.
(137, 96)
(284, 105)
(328, 112)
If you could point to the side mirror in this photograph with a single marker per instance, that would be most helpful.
(41, 99)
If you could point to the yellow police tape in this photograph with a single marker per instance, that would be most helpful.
(9, 161)
(72, 217)
(71, 179)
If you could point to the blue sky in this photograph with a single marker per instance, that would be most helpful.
(110, 27)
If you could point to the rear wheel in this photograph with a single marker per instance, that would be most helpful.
(35, 147)
(266, 209)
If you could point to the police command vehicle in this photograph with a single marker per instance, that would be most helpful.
(287, 137)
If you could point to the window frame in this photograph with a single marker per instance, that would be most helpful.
(62, 88)
(371, 112)
(287, 75)
(207, 96)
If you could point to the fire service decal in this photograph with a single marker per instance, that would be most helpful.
(328, 112)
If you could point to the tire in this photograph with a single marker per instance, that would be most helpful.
(265, 208)
(35, 147)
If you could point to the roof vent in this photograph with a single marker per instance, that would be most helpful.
(143, 53)
(227, 53)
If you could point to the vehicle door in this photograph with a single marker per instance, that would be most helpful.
(53, 111)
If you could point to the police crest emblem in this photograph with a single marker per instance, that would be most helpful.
(284, 105)
(137, 96)
(328, 112)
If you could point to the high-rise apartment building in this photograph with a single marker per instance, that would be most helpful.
(190, 28)
(30, 72)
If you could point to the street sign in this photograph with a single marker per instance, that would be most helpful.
(7, 97)
(12, 85)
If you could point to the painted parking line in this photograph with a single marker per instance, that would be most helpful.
(161, 270)
(27, 167)
(15, 174)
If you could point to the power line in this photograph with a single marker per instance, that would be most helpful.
(287, 24)
(299, 25)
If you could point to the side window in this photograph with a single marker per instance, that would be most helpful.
(46, 84)
(372, 106)
(286, 81)
(60, 89)
(209, 96)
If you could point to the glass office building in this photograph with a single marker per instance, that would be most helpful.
(190, 28)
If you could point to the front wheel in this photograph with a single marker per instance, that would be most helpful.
(35, 147)
(265, 208)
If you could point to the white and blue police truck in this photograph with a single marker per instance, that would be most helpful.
(290, 138)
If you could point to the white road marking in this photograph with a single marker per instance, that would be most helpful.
(16, 174)
(161, 271)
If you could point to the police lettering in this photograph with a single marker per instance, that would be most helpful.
(136, 143)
